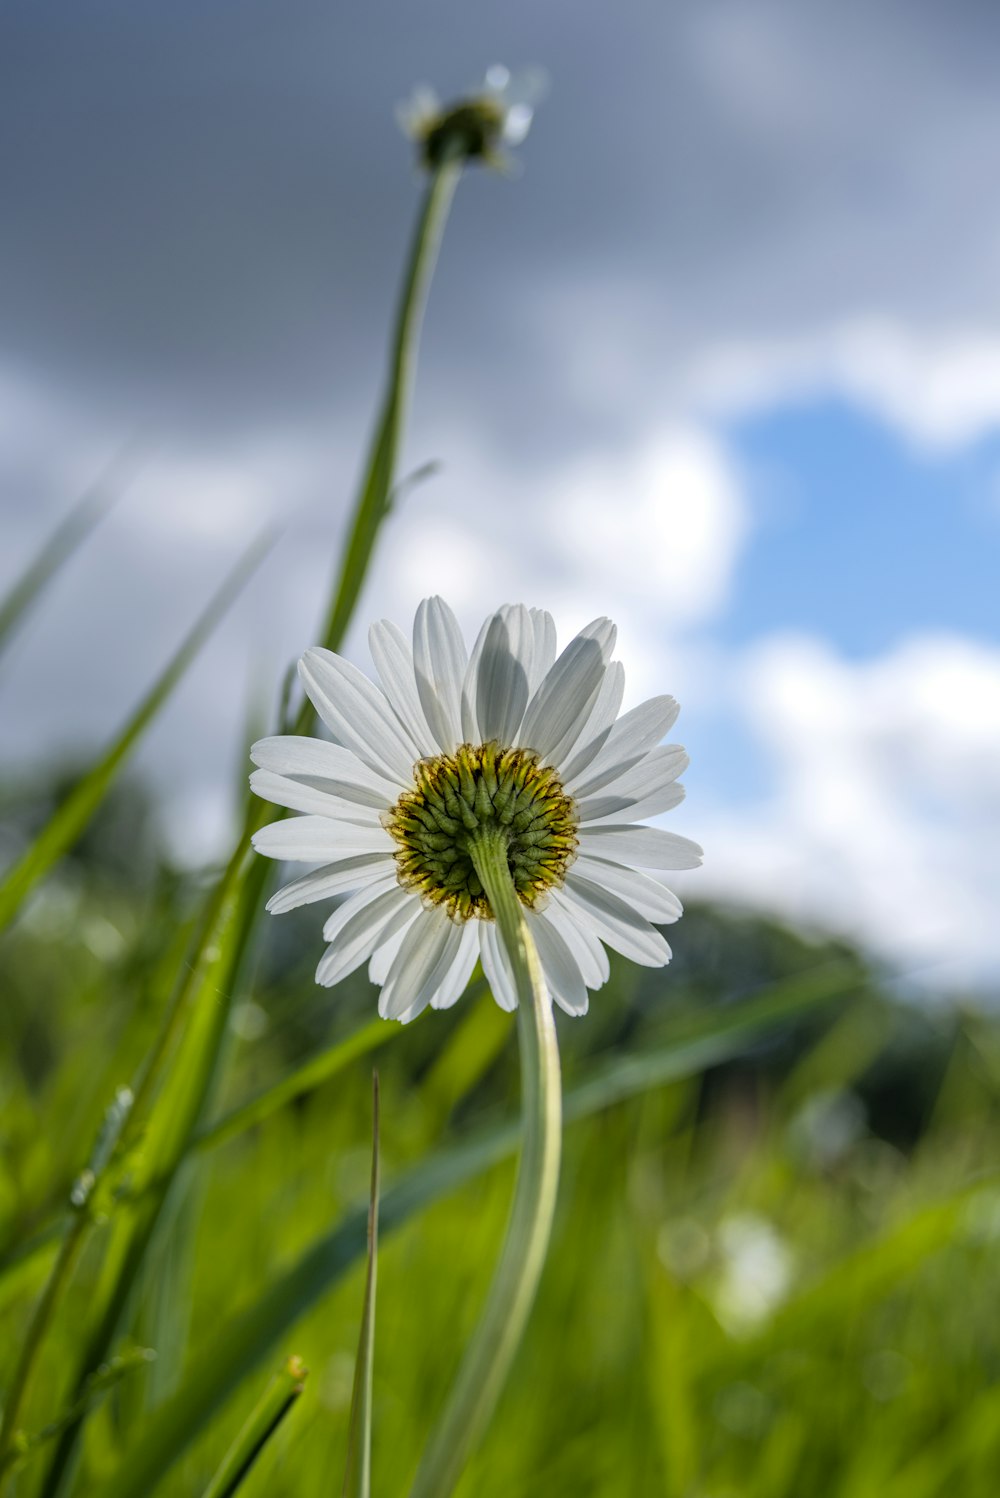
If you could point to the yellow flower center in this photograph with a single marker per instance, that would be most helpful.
(459, 796)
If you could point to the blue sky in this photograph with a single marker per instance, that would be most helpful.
(860, 535)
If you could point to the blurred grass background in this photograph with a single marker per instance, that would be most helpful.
(775, 1276)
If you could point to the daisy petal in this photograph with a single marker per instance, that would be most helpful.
(562, 703)
(544, 631)
(614, 922)
(384, 954)
(319, 840)
(645, 790)
(393, 658)
(439, 975)
(465, 959)
(496, 967)
(634, 734)
(585, 946)
(594, 733)
(502, 677)
(562, 972)
(312, 760)
(416, 969)
(332, 879)
(360, 924)
(298, 795)
(646, 894)
(439, 661)
(649, 847)
(357, 714)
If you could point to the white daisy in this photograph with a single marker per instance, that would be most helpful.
(509, 737)
(497, 113)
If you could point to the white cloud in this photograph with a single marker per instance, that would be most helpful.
(649, 535)
(939, 390)
(884, 820)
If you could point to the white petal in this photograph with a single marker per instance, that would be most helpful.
(562, 971)
(299, 796)
(394, 663)
(357, 714)
(544, 630)
(585, 946)
(439, 660)
(384, 954)
(502, 676)
(465, 959)
(416, 969)
(438, 975)
(617, 807)
(469, 716)
(594, 733)
(645, 790)
(341, 772)
(319, 840)
(496, 966)
(345, 913)
(649, 847)
(332, 879)
(634, 734)
(357, 928)
(563, 702)
(613, 921)
(647, 895)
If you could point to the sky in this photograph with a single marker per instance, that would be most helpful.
(721, 360)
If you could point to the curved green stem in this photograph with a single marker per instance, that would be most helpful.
(490, 1353)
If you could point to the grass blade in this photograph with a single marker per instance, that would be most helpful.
(358, 1477)
(203, 1002)
(62, 1270)
(250, 1336)
(70, 819)
(306, 1078)
(107, 1377)
(68, 536)
(264, 1419)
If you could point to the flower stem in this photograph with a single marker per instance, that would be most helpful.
(375, 499)
(490, 1352)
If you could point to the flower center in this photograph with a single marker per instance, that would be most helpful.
(470, 129)
(482, 789)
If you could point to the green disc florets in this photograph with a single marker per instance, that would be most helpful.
(478, 789)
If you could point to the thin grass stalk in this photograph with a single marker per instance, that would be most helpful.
(494, 1343)
(70, 533)
(264, 1419)
(70, 819)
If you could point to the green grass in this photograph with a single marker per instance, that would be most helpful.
(854, 1145)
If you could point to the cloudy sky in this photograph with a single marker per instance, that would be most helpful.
(723, 362)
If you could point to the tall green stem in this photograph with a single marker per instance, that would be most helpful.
(490, 1353)
(375, 499)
